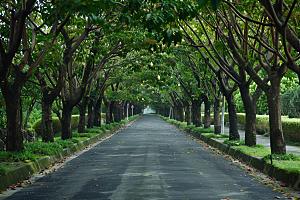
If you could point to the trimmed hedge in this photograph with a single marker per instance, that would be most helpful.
(291, 129)
(290, 126)
(56, 124)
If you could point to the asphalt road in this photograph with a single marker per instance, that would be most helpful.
(147, 160)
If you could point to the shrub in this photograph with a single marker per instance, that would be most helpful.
(267, 134)
(288, 156)
(108, 126)
(189, 128)
(234, 142)
(55, 124)
(182, 125)
(42, 148)
(291, 129)
(203, 130)
(2, 170)
(262, 124)
(22, 156)
(212, 135)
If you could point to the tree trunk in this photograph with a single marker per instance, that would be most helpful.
(107, 112)
(250, 110)
(97, 113)
(66, 132)
(166, 111)
(111, 117)
(14, 138)
(179, 116)
(123, 110)
(206, 111)
(196, 110)
(82, 109)
(116, 111)
(48, 135)
(91, 112)
(276, 133)
(187, 112)
(233, 128)
(217, 121)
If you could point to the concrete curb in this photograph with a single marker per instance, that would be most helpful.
(291, 179)
(21, 173)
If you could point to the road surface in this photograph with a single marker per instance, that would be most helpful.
(148, 159)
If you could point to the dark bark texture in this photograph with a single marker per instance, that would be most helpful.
(217, 121)
(14, 139)
(250, 110)
(206, 111)
(82, 109)
(278, 145)
(196, 112)
(91, 107)
(97, 114)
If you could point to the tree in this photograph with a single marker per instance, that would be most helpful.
(15, 72)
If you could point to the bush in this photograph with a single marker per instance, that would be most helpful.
(182, 125)
(203, 130)
(291, 129)
(288, 156)
(189, 128)
(107, 126)
(21, 156)
(267, 134)
(2, 170)
(262, 124)
(212, 135)
(42, 148)
(234, 142)
(55, 124)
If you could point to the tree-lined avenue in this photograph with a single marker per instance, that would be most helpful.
(149, 159)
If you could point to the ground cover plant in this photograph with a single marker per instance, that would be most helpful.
(258, 150)
(212, 135)
(289, 162)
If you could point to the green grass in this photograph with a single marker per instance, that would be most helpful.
(258, 150)
(212, 135)
(234, 142)
(3, 170)
(289, 162)
(288, 165)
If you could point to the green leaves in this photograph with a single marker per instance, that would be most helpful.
(169, 33)
(215, 4)
(44, 38)
(202, 3)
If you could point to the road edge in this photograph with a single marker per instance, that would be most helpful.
(291, 179)
(21, 173)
